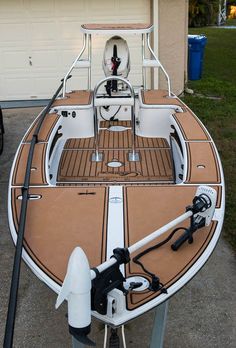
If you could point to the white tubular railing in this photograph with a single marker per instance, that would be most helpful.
(143, 57)
(85, 42)
(141, 243)
(89, 58)
(159, 64)
(114, 101)
(110, 78)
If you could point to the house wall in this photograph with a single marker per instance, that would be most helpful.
(173, 31)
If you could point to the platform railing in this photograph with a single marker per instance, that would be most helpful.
(116, 100)
(153, 63)
(84, 64)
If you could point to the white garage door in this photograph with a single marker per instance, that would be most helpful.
(40, 39)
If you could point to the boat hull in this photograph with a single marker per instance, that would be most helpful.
(101, 209)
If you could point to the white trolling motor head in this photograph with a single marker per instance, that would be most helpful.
(76, 289)
(202, 210)
(209, 195)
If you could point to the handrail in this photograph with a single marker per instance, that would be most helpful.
(143, 57)
(161, 66)
(10, 323)
(73, 65)
(132, 96)
(117, 78)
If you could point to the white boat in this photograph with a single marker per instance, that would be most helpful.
(123, 180)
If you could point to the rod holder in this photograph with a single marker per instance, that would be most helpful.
(97, 157)
(133, 156)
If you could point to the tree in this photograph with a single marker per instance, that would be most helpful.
(203, 12)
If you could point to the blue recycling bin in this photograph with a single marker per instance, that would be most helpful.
(196, 48)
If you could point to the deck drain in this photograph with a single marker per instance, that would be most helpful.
(117, 128)
(115, 164)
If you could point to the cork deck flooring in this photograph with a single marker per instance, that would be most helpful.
(155, 159)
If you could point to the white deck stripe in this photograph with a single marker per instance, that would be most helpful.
(115, 226)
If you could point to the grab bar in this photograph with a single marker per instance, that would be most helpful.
(158, 64)
(86, 43)
(133, 155)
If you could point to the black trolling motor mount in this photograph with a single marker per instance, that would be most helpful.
(110, 279)
(201, 204)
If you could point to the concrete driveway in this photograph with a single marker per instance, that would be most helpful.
(202, 314)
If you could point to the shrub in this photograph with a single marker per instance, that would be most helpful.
(203, 12)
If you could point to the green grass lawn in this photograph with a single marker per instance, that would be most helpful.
(219, 116)
(231, 21)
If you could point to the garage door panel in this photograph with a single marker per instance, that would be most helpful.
(141, 8)
(102, 6)
(41, 8)
(136, 56)
(10, 8)
(45, 85)
(71, 7)
(18, 87)
(43, 31)
(13, 60)
(67, 57)
(70, 29)
(78, 81)
(48, 31)
(13, 32)
(2, 96)
(45, 59)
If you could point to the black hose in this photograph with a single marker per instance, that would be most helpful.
(10, 323)
(154, 247)
(1, 131)
(110, 118)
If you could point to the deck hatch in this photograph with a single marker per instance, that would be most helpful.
(55, 225)
(203, 163)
